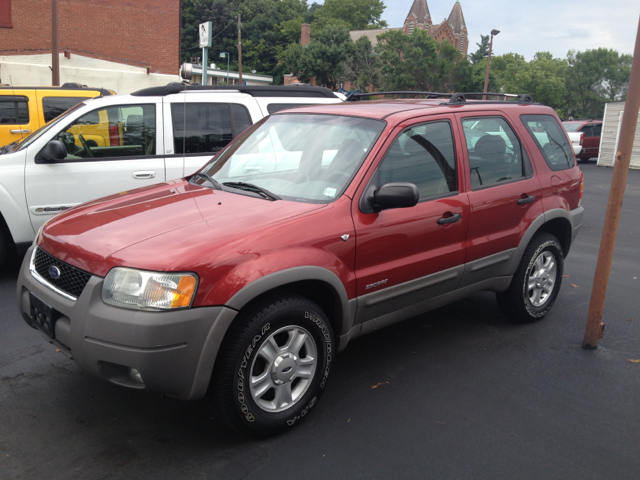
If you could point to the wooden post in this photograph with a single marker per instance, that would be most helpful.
(55, 55)
(595, 327)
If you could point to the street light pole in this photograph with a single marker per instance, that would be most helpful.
(486, 77)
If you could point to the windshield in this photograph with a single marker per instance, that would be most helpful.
(298, 157)
(25, 142)
(571, 127)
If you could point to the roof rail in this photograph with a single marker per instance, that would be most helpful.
(454, 98)
(355, 96)
(462, 97)
(253, 90)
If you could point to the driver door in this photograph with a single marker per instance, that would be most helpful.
(109, 149)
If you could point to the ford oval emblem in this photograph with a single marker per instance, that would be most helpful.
(54, 272)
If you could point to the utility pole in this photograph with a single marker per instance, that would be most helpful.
(595, 327)
(240, 49)
(55, 49)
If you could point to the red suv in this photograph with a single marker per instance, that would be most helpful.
(592, 131)
(315, 226)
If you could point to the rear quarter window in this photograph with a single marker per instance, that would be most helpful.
(551, 140)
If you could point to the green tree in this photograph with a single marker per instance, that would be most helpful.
(269, 26)
(322, 58)
(482, 51)
(362, 67)
(357, 14)
(418, 62)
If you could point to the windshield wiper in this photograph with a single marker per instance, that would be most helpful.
(215, 184)
(250, 187)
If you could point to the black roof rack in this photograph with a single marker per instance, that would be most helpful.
(454, 98)
(67, 86)
(253, 90)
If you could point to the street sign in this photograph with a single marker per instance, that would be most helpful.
(205, 34)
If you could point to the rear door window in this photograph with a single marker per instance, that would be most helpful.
(597, 130)
(54, 106)
(495, 153)
(14, 110)
(206, 127)
(551, 140)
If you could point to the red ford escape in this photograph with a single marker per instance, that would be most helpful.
(315, 226)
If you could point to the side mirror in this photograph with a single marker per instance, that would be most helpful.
(54, 151)
(390, 195)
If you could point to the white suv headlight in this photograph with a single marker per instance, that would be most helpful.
(142, 290)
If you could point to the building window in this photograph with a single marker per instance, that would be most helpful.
(462, 43)
(5, 14)
(412, 26)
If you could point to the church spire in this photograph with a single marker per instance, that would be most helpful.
(456, 19)
(419, 15)
(420, 12)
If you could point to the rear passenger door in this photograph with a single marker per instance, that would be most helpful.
(199, 125)
(406, 256)
(505, 196)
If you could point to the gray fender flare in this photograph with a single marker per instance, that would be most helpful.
(293, 275)
(532, 230)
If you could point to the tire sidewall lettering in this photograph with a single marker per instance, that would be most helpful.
(245, 403)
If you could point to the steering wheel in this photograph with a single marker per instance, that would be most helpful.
(338, 175)
(85, 146)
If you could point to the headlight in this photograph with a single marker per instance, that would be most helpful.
(141, 290)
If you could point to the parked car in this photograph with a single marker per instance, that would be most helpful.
(116, 143)
(24, 110)
(315, 226)
(591, 132)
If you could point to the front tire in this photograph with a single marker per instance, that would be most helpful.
(273, 366)
(537, 281)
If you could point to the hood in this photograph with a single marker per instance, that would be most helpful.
(90, 236)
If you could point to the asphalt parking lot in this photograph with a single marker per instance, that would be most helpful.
(458, 393)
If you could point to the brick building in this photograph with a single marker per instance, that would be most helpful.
(123, 45)
(140, 33)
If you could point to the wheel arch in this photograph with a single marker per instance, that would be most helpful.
(557, 222)
(315, 283)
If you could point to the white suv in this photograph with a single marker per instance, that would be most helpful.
(117, 143)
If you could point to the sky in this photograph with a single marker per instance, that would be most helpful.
(555, 26)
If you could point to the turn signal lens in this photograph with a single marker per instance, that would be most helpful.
(142, 290)
(581, 185)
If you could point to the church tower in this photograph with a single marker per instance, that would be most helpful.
(418, 18)
(461, 36)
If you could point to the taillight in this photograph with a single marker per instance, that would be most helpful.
(581, 138)
(581, 185)
(114, 138)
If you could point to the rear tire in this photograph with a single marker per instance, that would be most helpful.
(273, 366)
(536, 283)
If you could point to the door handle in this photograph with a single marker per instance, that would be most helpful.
(20, 131)
(524, 200)
(146, 175)
(452, 219)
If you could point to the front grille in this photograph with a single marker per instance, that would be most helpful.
(72, 280)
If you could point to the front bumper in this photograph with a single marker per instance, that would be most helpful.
(174, 352)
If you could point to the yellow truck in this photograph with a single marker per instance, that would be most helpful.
(25, 109)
